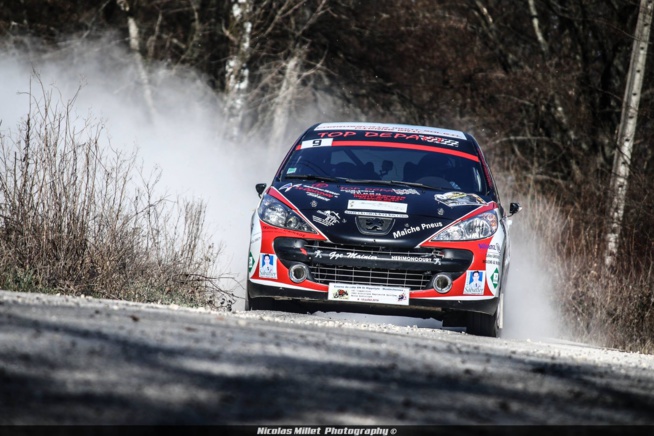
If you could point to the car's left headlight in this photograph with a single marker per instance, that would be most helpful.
(276, 213)
(478, 227)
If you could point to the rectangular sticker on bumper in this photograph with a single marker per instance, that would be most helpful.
(368, 294)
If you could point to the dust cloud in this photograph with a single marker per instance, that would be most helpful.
(183, 137)
(529, 306)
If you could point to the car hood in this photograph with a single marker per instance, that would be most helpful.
(391, 215)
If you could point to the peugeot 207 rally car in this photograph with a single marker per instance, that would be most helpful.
(382, 219)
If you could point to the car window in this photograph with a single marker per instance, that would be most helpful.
(433, 168)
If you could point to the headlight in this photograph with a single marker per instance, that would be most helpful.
(478, 227)
(276, 213)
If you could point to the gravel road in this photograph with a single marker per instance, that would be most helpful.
(67, 360)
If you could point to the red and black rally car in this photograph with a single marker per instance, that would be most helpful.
(384, 219)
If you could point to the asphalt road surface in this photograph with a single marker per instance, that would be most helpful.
(70, 360)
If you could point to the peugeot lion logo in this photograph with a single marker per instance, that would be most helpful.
(374, 225)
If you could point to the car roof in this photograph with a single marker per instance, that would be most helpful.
(361, 133)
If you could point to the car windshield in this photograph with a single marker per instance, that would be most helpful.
(417, 167)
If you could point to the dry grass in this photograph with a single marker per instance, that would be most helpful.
(78, 217)
(608, 308)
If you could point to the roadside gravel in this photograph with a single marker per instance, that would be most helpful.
(66, 360)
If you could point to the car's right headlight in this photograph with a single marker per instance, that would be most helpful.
(276, 213)
(479, 226)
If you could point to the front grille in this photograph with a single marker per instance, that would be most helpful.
(411, 279)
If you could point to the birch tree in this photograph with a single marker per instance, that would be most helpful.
(135, 47)
(237, 74)
(626, 132)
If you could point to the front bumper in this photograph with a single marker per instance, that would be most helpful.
(412, 268)
(314, 301)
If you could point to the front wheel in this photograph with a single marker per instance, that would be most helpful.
(481, 324)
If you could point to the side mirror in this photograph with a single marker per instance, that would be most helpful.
(260, 188)
(514, 208)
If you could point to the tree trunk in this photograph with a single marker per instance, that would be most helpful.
(626, 131)
(135, 46)
(237, 73)
(283, 102)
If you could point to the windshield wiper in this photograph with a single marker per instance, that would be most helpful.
(398, 182)
(314, 177)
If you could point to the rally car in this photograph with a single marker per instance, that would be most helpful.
(385, 219)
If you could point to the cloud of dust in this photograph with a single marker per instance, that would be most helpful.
(530, 298)
(184, 137)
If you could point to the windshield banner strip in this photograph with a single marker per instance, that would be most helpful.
(433, 148)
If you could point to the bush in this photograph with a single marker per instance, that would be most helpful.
(566, 243)
(78, 217)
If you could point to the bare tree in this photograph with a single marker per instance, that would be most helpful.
(626, 132)
(135, 47)
(237, 80)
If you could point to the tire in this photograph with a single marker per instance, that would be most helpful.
(481, 324)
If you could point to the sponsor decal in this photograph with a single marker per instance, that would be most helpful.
(377, 190)
(474, 283)
(268, 266)
(374, 194)
(377, 214)
(332, 255)
(328, 218)
(440, 141)
(379, 197)
(377, 205)
(315, 191)
(400, 128)
(405, 137)
(314, 203)
(495, 278)
(320, 187)
(368, 294)
(255, 243)
(347, 255)
(494, 261)
(434, 260)
(318, 196)
(409, 191)
(336, 134)
(426, 226)
(407, 231)
(251, 262)
(340, 294)
(493, 248)
(317, 143)
(440, 211)
(452, 199)
(287, 187)
(413, 229)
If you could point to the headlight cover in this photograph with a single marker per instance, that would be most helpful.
(276, 213)
(479, 226)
